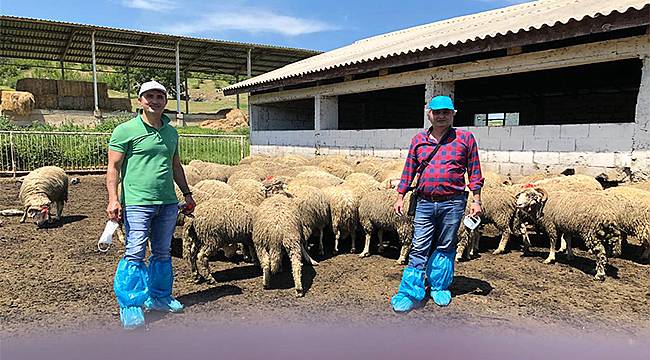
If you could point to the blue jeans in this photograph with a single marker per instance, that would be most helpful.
(154, 222)
(435, 227)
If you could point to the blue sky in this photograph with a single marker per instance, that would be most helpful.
(319, 25)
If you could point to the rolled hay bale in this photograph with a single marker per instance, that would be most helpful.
(337, 168)
(319, 179)
(38, 87)
(192, 174)
(19, 103)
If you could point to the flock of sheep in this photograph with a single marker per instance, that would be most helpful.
(267, 206)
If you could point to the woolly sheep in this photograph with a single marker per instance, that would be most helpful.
(41, 188)
(212, 171)
(277, 227)
(294, 171)
(216, 224)
(361, 184)
(344, 208)
(581, 183)
(293, 160)
(372, 168)
(319, 179)
(337, 168)
(249, 191)
(587, 215)
(633, 214)
(215, 188)
(246, 172)
(192, 174)
(314, 211)
(642, 185)
(376, 213)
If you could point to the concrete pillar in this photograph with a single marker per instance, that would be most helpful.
(641, 140)
(435, 88)
(253, 115)
(326, 112)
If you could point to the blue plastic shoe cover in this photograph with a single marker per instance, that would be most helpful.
(440, 274)
(161, 280)
(132, 317)
(411, 291)
(131, 290)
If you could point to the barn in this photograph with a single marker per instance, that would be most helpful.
(547, 85)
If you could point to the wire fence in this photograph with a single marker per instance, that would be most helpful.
(24, 151)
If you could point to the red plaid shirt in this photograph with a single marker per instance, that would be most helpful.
(445, 174)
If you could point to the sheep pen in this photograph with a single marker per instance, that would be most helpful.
(43, 269)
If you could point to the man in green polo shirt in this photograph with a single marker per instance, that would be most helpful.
(143, 157)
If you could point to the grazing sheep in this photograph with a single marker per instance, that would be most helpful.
(269, 167)
(251, 158)
(337, 168)
(314, 211)
(344, 208)
(641, 185)
(372, 168)
(319, 179)
(587, 215)
(277, 227)
(633, 214)
(192, 174)
(246, 172)
(215, 188)
(361, 184)
(292, 160)
(499, 207)
(216, 224)
(493, 179)
(376, 213)
(41, 188)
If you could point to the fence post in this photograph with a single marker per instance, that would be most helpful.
(13, 153)
(241, 147)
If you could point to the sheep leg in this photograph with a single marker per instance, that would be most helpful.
(296, 269)
(569, 249)
(403, 254)
(525, 238)
(24, 218)
(336, 241)
(321, 250)
(203, 264)
(366, 247)
(553, 235)
(306, 257)
(463, 243)
(475, 236)
(252, 255)
(265, 263)
(563, 244)
(601, 262)
(353, 238)
(505, 236)
(59, 210)
(380, 237)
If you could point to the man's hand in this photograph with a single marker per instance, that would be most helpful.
(114, 211)
(188, 207)
(475, 209)
(399, 206)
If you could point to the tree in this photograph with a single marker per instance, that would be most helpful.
(165, 77)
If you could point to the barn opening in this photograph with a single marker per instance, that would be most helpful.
(285, 115)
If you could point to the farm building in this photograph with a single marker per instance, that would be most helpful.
(546, 85)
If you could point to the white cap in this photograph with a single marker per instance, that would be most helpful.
(151, 85)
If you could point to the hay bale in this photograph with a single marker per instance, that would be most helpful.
(38, 87)
(17, 102)
(119, 104)
(234, 119)
(46, 102)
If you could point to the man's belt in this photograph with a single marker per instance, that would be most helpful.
(440, 198)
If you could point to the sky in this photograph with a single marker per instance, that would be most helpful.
(317, 25)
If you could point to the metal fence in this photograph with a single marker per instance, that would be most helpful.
(23, 151)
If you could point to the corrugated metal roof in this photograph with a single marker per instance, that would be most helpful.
(70, 42)
(451, 32)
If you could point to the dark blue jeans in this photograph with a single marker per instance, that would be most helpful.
(149, 222)
(435, 228)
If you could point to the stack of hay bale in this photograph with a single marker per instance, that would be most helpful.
(70, 95)
(18, 103)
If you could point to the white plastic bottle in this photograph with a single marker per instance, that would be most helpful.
(106, 239)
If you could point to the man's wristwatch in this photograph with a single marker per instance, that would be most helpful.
(187, 193)
(476, 202)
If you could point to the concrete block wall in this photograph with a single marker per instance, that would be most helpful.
(277, 117)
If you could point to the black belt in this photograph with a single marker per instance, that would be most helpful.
(440, 198)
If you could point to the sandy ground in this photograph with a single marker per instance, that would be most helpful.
(55, 280)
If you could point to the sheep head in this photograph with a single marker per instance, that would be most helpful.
(531, 201)
(274, 186)
(40, 214)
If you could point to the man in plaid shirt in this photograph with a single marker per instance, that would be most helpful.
(441, 204)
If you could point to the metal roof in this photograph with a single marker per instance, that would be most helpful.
(27, 38)
(450, 33)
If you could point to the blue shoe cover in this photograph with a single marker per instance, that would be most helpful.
(166, 304)
(131, 317)
(161, 280)
(411, 291)
(440, 274)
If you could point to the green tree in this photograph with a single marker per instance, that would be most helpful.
(165, 77)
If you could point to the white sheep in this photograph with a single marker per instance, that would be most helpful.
(344, 207)
(633, 214)
(41, 188)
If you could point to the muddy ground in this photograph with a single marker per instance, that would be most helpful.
(55, 279)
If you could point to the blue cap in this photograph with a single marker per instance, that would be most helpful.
(441, 102)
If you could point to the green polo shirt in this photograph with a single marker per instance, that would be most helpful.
(147, 173)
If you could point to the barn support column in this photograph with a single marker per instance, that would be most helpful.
(97, 113)
(435, 88)
(641, 141)
(326, 111)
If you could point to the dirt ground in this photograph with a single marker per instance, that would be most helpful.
(55, 279)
